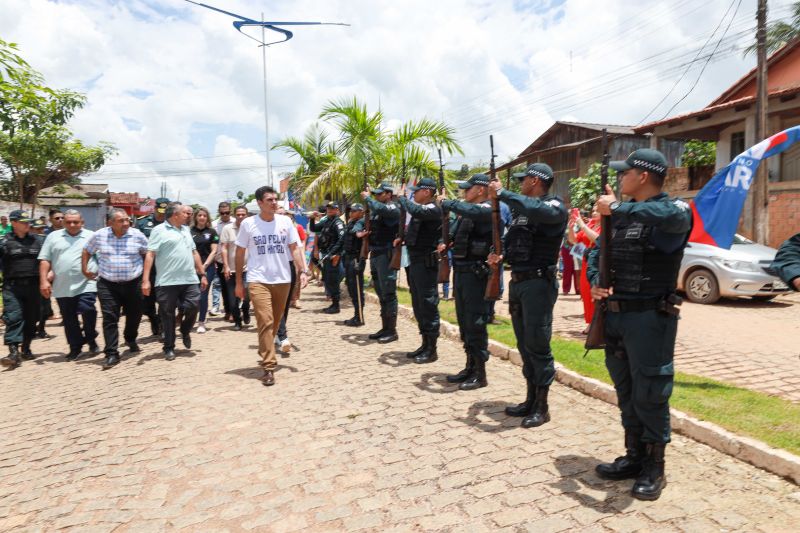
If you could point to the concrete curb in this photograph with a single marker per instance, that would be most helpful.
(755, 452)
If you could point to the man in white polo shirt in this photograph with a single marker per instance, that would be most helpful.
(271, 242)
(178, 266)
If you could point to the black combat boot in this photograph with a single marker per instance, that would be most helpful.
(333, 308)
(477, 379)
(355, 321)
(422, 348)
(12, 360)
(540, 413)
(630, 465)
(428, 355)
(27, 354)
(381, 332)
(524, 408)
(390, 335)
(465, 373)
(652, 480)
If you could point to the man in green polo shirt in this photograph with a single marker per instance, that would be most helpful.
(74, 293)
(178, 266)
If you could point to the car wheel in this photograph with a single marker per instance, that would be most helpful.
(765, 298)
(701, 287)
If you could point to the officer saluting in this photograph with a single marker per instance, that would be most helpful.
(22, 303)
(472, 241)
(330, 238)
(532, 243)
(353, 264)
(647, 241)
(384, 217)
(146, 225)
(421, 239)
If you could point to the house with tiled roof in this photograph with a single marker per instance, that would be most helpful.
(730, 121)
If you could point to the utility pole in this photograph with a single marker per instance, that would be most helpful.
(760, 226)
(266, 101)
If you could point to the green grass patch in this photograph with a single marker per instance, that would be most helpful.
(770, 419)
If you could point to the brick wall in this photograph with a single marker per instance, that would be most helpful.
(784, 215)
(677, 180)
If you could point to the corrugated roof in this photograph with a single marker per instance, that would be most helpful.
(617, 129)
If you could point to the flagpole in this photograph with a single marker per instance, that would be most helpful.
(266, 101)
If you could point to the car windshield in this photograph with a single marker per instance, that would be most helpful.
(738, 239)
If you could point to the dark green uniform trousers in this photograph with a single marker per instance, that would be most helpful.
(384, 279)
(639, 357)
(354, 277)
(22, 309)
(472, 311)
(531, 305)
(422, 283)
(332, 277)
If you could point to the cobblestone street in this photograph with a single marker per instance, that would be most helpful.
(353, 436)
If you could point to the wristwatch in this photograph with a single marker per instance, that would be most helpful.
(614, 205)
(306, 272)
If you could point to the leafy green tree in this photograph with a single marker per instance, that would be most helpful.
(584, 190)
(780, 33)
(699, 154)
(37, 149)
(335, 167)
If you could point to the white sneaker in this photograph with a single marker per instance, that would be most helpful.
(277, 341)
(214, 311)
(286, 346)
(201, 328)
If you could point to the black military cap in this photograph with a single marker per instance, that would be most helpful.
(536, 170)
(20, 215)
(331, 205)
(161, 204)
(383, 187)
(643, 159)
(424, 183)
(475, 179)
(356, 207)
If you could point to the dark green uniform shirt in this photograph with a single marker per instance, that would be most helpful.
(787, 261)
(146, 224)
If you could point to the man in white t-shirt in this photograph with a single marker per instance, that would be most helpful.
(271, 241)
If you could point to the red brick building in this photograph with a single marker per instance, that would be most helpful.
(730, 121)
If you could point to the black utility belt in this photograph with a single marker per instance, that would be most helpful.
(539, 273)
(430, 259)
(668, 305)
(478, 268)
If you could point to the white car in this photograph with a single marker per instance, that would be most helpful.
(709, 273)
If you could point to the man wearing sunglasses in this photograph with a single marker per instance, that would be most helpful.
(219, 285)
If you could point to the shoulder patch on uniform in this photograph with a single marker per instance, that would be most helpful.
(485, 204)
(680, 203)
(553, 202)
(429, 206)
(391, 206)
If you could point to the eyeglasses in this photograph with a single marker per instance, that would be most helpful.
(223, 213)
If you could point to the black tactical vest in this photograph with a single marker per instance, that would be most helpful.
(530, 245)
(423, 235)
(471, 242)
(20, 256)
(637, 266)
(383, 232)
(329, 234)
(352, 244)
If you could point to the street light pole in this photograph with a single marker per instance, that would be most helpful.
(266, 100)
(760, 212)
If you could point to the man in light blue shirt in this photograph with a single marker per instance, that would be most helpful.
(178, 265)
(60, 275)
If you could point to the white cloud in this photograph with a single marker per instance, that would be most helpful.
(171, 81)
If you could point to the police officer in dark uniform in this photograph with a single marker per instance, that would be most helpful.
(648, 236)
(787, 262)
(384, 217)
(532, 243)
(330, 239)
(471, 238)
(22, 302)
(353, 264)
(423, 235)
(146, 225)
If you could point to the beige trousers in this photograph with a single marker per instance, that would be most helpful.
(269, 302)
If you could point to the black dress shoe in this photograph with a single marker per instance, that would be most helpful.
(187, 340)
(27, 354)
(133, 347)
(73, 354)
(111, 360)
(237, 327)
(246, 317)
(41, 334)
(94, 348)
(169, 355)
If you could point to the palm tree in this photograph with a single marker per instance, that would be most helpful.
(315, 151)
(363, 141)
(780, 33)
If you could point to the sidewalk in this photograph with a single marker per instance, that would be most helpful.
(352, 436)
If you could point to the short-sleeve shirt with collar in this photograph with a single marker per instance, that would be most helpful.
(173, 247)
(64, 251)
(118, 258)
